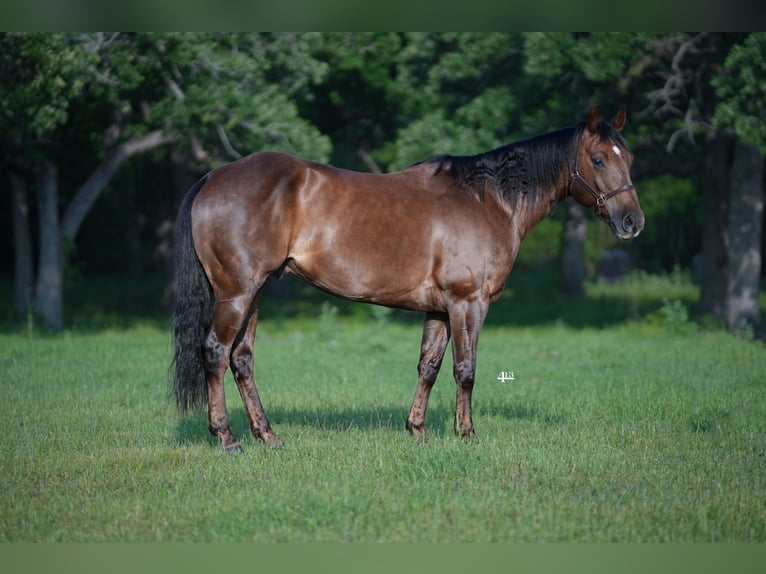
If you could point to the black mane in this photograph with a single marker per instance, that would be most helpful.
(522, 168)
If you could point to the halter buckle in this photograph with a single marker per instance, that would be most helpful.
(601, 200)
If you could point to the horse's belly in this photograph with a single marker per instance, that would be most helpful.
(369, 276)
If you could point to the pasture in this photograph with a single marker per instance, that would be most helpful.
(623, 421)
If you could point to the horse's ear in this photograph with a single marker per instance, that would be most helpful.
(618, 121)
(594, 119)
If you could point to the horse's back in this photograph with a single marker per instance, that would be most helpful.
(254, 174)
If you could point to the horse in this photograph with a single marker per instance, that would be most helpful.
(439, 237)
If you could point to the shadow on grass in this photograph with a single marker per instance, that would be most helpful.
(519, 412)
(193, 429)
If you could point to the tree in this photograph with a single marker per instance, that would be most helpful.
(41, 73)
(717, 81)
(22, 243)
(745, 220)
(360, 99)
(713, 90)
(122, 95)
(573, 251)
(741, 90)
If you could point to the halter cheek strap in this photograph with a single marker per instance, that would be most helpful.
(600, 197)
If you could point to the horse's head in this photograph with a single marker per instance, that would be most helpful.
(600, 178)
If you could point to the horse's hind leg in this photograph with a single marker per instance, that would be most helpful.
(242, 367)
(228, 319)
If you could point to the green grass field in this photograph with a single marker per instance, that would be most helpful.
(637, 426)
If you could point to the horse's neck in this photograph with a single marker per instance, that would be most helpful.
(529, 214)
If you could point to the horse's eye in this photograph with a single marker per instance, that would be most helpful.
(598, 162)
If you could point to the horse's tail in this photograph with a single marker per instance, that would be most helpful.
(192, 313)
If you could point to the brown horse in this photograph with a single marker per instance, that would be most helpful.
(440, 237)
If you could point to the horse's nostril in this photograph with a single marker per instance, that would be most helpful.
(628, 222)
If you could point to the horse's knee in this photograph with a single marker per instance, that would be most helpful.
(428, 370)
(465, 374)
(242, 362)
(214, 355)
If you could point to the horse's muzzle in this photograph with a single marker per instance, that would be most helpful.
(631, 225)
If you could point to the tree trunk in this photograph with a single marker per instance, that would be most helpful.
(573, 251)
(745, 221)
(133, 239)
(715, 226)
(49, 289)
(49, 292)
(22, 247)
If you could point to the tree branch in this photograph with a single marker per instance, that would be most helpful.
(226, 143)
(368, 160)
(86, 196)
(664, 101)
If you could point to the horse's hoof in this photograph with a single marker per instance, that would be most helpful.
(272, 441)
(467, 436)
(233, 449)
(419, 436)
(470, 438)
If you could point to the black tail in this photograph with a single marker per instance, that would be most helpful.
(192, 314)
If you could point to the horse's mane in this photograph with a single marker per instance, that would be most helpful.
(522, 168)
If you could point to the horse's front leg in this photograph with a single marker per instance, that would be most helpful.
(466, 320)
(432, 347)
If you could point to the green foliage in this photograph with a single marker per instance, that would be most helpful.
(741, 89)
(675, 317)
(40, 73)
(553, 55)
(224, 91)
(673, 211)
(244, 86)
(543, 245)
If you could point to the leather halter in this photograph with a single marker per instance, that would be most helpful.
(600, 197)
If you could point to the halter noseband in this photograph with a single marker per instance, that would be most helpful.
(600, 197)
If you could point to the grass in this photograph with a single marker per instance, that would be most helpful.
(643, 430)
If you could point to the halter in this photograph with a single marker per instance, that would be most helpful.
(600, 197)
